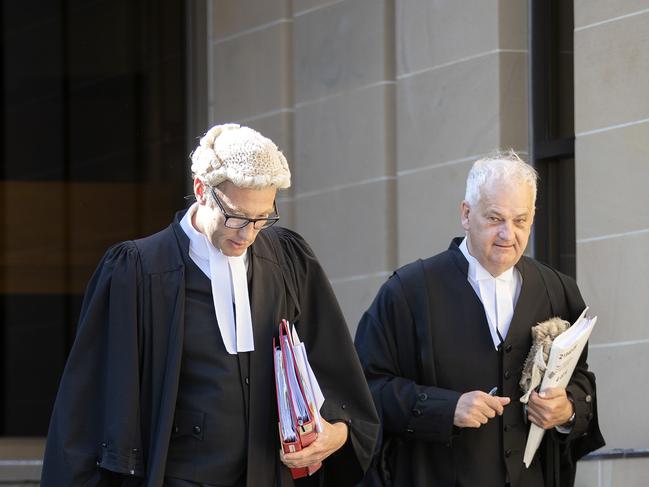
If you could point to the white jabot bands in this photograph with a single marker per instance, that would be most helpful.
(229, 287)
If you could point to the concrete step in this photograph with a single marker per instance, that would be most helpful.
(21, 461)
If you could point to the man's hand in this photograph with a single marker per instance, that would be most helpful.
(475, 408)
(550, 408)
(331, 438)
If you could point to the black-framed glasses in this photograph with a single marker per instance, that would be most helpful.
(236, 221)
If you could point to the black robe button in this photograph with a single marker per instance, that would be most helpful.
(423, 396)
(508, 374)
(247, 380)
(416, 412)
(506, 428)
(196, 430)
(343, 406)
(104, 445)
(588, 398)
(508, 453)
(508, 348)
(410, 430)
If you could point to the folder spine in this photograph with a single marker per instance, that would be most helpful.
(305, 429)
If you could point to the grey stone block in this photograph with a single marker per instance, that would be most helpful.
(338, 48)
(344, 139)
(429, 210)
(449, 113)
(611, 65)
(621, 399)
(251, 74)
(351, 229)
(588, 12)
(613, 276)
(611, 181)
(230, 17)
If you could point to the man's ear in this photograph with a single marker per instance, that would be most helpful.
(199, 191)
(465, 209)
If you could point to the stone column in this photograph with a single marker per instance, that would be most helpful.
(612, 197)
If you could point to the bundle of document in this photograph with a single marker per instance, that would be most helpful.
(564, 355)
(299, 397)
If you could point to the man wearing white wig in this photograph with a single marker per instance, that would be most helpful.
(443, 347)
(170, 380)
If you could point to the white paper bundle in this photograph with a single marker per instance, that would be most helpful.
(564, 355)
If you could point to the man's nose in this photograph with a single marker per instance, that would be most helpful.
(247, 232)
(506, 230)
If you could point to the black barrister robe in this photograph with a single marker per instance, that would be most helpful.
(425, 341)
(114, 412)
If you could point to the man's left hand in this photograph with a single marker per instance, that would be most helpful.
(550, 408)
(331, 438)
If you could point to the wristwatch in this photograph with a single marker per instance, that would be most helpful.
(571, 421)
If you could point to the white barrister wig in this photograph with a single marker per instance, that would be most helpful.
(241, 155)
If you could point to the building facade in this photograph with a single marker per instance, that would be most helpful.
(380, 106)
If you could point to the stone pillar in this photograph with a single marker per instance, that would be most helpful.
(461, 93)
(612, 175)
(344, 143)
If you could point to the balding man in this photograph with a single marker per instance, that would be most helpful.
(443, 347)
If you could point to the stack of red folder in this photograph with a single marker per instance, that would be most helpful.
(296, 404)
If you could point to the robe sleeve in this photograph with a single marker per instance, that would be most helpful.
(331, 353)
(585, 433)
(386, 346)
(94, 430)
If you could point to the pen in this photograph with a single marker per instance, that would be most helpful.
(493, 391)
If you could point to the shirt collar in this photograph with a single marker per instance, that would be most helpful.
(477, 272)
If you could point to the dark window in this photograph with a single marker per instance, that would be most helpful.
(552, 139)
(93, 142)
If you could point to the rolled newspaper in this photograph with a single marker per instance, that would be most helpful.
(565, 351)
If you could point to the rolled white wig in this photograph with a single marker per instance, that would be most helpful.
(241, 155)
